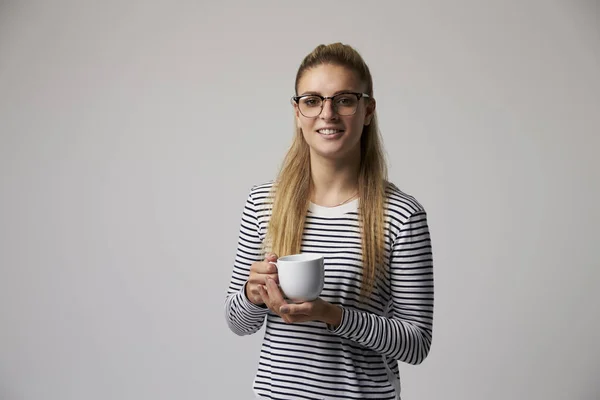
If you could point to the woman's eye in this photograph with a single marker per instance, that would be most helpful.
(311, 101)
(345, 101)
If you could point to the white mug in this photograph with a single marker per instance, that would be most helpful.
(301, 276)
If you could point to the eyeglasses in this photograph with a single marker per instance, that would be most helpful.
(311, 105)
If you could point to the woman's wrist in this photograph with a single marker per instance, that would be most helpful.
(333, 315)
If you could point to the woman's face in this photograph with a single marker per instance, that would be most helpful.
(331, 135)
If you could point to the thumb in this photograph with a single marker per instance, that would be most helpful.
(271, 257)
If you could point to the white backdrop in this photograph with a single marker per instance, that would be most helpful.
(131, 133)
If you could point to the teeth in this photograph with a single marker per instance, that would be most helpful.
(328, 131)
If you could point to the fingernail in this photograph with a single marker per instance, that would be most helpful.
(284, 309)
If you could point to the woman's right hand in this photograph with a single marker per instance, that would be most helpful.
(259, 271)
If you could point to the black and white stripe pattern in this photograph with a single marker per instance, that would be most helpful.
(359, 359)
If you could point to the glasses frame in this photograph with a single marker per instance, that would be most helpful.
(296, 100)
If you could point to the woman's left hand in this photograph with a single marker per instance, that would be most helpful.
(316, 310)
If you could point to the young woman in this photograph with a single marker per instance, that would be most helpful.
(332, 197)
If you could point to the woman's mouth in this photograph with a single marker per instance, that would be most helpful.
(329, 132)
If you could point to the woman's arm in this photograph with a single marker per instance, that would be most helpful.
(243, 317)
(407, 335)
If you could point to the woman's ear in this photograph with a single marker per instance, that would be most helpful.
(370, 111)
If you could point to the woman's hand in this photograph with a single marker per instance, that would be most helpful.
(259, 272)
(316, 310)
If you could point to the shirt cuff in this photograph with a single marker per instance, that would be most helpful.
(344, 326)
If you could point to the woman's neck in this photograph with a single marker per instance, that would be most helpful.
(334, 182)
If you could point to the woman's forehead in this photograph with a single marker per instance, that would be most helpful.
(328, 79)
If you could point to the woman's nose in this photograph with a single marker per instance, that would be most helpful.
(328, 111)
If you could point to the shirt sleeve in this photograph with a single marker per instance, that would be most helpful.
(407, 334)
(244, 317)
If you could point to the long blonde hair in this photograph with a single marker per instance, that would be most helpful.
(292, 188)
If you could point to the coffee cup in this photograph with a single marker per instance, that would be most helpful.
(301, 276)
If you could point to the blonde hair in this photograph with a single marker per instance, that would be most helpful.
(292, 188)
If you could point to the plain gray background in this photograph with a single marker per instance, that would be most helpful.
(132, 131)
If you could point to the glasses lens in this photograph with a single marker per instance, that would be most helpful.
(310, 106)
(345, 103)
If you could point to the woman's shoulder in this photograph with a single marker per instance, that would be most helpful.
(262, 187)
(401, 202)
(261, 192)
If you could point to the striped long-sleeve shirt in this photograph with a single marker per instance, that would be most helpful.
(359, 358)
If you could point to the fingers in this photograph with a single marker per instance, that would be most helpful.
(261, 279)
(292, 310)
(266, 267)
(259, 273)
(271, 257)
(253, 294)
(265, 293)
(291, 313)
(264, 296)
(263, 267)
(275, 294)
(272, 296)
